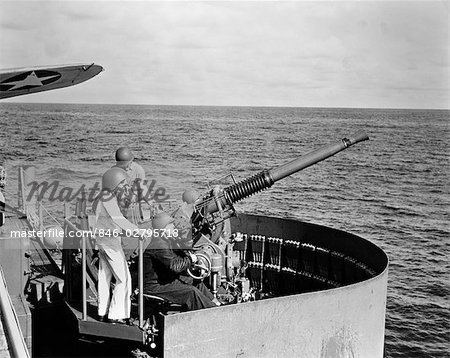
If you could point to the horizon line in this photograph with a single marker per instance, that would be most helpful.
(221, 105)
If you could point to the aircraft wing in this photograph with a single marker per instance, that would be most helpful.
(21, 81)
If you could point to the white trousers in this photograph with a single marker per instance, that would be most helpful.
(113, 262)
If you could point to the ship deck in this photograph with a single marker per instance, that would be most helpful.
(30, 272)
(13, 300)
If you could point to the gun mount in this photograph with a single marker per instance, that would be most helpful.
(211, 229)
(217, 205)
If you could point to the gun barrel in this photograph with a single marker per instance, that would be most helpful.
(316, 156)
(267, 178)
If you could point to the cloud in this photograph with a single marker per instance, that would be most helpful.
(7, 24)
(288, 53)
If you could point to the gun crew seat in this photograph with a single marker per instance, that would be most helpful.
(160, 304)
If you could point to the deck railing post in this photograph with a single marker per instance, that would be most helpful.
(22, 199)
(141, 283)
(41, 216)
(83, 260)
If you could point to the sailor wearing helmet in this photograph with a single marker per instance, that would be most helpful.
(165, 266)
(136, 179)
(110, 223)
(125, 160)
(183, 215)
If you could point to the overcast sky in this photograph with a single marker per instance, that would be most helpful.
(313, 54)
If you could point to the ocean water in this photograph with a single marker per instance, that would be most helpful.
(392, 190)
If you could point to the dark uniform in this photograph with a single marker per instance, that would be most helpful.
(165, 276)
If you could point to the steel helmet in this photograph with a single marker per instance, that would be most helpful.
(190, 196)
(161, 220)
(113, 177)
(124, 154)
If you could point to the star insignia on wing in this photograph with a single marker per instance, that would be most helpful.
(32, 80)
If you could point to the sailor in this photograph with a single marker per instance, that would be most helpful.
(136, 179)
(165, 266)
(125, 160)
(110, 223)
(183, 215)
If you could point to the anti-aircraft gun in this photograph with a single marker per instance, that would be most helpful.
(213, 244)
